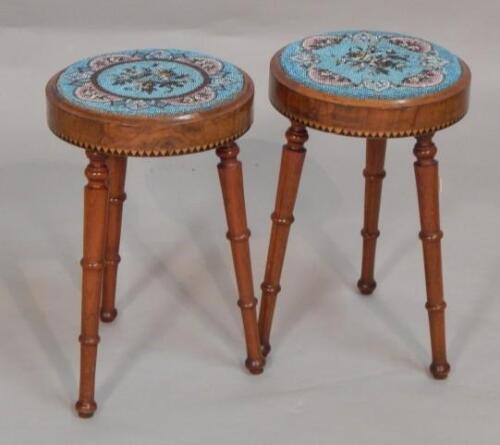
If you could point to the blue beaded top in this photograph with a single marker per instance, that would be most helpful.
(370, 65)
(150, 82)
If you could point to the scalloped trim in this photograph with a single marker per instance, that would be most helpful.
(368, 134)
(148, 153)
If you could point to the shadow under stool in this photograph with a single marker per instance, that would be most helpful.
(149, 103)
(374, 85)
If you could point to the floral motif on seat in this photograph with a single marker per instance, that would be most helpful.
(150, 82)
(370, 64)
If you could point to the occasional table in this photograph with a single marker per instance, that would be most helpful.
(145, 103)
(377, 86)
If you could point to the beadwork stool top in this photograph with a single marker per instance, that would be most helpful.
(150, 102)
(342, 82)
(365, 64)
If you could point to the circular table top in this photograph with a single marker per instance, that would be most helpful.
(369, 83)
(150, 102)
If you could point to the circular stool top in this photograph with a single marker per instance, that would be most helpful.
(369, 83)
(151, 102)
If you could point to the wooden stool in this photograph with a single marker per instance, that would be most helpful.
(149, 103)
(374, 85)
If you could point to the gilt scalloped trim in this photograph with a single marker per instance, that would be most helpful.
(369, 134)
(150, 152)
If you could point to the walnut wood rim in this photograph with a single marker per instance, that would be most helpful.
(110, 133)
(149, 153)
(368, 118)
(367, 134)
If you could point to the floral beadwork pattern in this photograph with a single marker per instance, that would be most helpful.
(151, 78)
(150, 82)
(370, 64)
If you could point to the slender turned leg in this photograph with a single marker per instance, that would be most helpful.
(231, 179)
(117, 167)
(94, 232)
(426, 172)
(291, 167)
(374, 174)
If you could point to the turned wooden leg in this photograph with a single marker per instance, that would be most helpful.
(427, 176)
(374, 174)
(117, 167)
(292, 161)
(231, 179)
(94, 233)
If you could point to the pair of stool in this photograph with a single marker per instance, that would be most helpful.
(165, 102)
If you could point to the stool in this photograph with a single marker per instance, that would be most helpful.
(143, 103)
(375, 85)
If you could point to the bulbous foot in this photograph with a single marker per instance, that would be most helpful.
(440, 371)
(108, 317)
(255, 366)
(86, 409)
(366, 287)
(266, 349)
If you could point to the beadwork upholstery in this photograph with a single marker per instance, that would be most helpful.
(150, 82)
(370, 64)
(150, 102)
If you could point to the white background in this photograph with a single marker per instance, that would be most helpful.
(344, 369)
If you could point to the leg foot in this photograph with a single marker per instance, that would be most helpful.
(266, 349)
(85, 409)
(427, 176)
(440, 371)
(374, 174)
(366, 287)
(255, 367)
(108, 317)
(231, 179)
(292, 160)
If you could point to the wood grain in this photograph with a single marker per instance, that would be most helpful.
(368, 117)
(109, 139)
(374, 174)
(292, 161)
(427, 177)
(377, 121)
(94, 234)
(149, 135)
(231, 180)
(117, 166)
